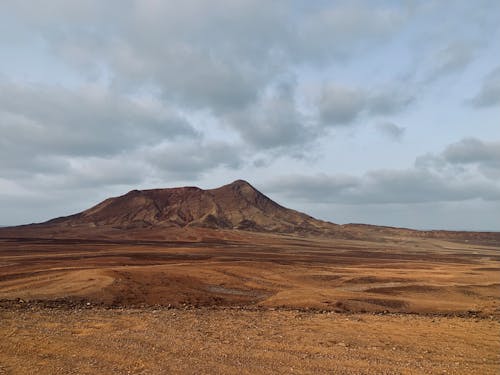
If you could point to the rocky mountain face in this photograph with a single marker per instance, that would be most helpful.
(234, 206)
(191, 213)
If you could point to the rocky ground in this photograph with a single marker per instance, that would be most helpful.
(250, 304)
(89, 340)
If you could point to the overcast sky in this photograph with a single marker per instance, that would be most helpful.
(382, 112)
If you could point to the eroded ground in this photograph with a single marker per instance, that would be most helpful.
(396, 275)
(250, 304)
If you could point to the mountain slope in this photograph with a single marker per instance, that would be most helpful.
(234, 206)
(192, 214)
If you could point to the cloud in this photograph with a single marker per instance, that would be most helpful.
(453, 58)
(383, 187)
(421, 186)
(95, 172)
(274, 122)
(391, 130)
(489, 94)
(91, 137)
(319, 188)
(190, 160)
(342, 31)
(51, 193)
(423, 183)
(218, 56)
(38, 122)
(473, 150)
(340, 105)
(146, 91)
(469, 154)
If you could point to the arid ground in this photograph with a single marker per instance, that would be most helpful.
(206, 341)
(250, 303)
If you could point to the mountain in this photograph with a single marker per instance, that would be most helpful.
(237, 205)
(192, 214)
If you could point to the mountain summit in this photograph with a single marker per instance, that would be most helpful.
(190, 213)
(237, 205)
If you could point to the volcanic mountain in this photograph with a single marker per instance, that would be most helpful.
(237, 205)
(191, 213)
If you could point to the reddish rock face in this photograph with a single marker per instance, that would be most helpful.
(191, 213)
(234, 206)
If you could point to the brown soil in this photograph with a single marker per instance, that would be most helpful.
(150, 300)
(226, 341)
(430, 276)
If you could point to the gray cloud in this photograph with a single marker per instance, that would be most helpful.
(391, 130)
(384, 186)
(274, 122)
(453, 58)
(419, 186)
(465, 155)
(94, 172)
(51, 193)
(473, 150)
(318, 188)
(156, 91)
(219, 57)
(58, 138)
(189, 161)
(340, 32)
(388, 102)
(340, 106)
(39, 122)
(489, 94)
(93, 176)
(422, 184)
(216, 55)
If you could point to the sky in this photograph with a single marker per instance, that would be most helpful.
(379, 112)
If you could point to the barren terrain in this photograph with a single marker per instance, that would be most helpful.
(250, 303)
(185, 280)
(206, 341)
(394, 274)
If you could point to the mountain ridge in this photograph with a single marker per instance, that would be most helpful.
(191, 213)
(237, 205)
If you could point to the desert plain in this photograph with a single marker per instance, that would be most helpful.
(232, 301)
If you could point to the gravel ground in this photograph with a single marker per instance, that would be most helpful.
(79, 340)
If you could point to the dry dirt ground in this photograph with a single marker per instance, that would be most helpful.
(225, 341)
(250, 303)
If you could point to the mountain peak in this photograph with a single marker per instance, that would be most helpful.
(240, 183)
(237, 205)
